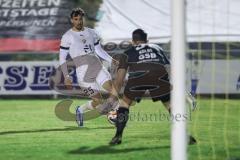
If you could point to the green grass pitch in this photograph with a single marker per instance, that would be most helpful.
(29, 129)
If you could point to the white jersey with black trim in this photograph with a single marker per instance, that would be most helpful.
(80, 43)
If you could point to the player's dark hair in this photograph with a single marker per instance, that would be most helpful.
(77, 12)
(139, 35)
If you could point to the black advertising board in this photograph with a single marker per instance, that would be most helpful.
(33, 25)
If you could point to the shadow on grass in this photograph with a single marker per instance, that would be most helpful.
(112, 150)
(51, 130)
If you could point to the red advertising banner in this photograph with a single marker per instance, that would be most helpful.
(33, 25)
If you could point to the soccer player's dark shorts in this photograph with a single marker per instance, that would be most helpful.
(129, 94)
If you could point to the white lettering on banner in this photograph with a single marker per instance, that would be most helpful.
(16, 4)
(24, 3)
(5, 4)
(4, 12)
(41, 3)
(28, 3)
(29, 12)
(38, 23)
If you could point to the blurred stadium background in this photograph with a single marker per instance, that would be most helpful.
(30, 32)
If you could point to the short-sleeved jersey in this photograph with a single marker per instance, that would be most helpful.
(80, 43)
(143, 53)
(139, 59)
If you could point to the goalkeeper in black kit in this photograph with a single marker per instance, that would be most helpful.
(147, 68)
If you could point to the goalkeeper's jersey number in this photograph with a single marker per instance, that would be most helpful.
(147, 56)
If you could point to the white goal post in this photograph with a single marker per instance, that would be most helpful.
(178, 52)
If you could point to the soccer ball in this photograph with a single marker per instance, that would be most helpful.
(112, 117)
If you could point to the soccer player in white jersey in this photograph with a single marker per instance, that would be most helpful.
(83, 45)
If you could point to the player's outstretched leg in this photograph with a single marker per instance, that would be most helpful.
(122, 118)
(93, 109)
(81, 110)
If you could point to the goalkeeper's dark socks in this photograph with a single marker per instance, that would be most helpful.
(191, 140)
(122, 118)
